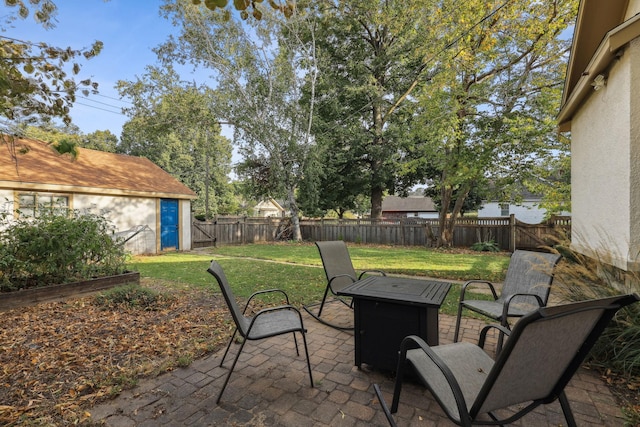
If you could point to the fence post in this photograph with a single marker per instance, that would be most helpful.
(512, 233)
(243, 230)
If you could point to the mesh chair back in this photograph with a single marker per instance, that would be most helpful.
(543, 352)
(529, 272)
(242, 323)
(337, 264)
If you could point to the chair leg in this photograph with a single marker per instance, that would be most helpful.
(226, 380)
(566, 409)
(306, 352)
(324, 298)
(228, 346)
(398, 387)
(458, 319)
(504, 322)
(295, 340)
(385, 408)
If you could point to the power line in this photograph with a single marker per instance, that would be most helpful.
(98, 102)
(98, 108)
(115, 99)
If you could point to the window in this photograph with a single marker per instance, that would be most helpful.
(30, 204)
(504, 209)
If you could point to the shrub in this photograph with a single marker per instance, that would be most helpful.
(57, 248)
(131, 296)
(486, 246)
(579, 278)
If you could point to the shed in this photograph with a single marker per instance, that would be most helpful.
(148, 206)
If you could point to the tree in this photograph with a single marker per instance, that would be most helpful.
(36, 79)
(172, 123)
(287, 8)
(102, 140)
(374, 55)
(490, 112)
(260, 67)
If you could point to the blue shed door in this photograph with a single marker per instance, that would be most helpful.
(168, 224)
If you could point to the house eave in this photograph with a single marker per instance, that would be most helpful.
(604, 56)
(73, 189)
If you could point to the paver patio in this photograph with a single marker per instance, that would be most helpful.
(270, 387)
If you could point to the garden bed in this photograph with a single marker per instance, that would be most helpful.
(26, 297)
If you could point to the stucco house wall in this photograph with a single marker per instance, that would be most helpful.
(600, 166)
(605, 131)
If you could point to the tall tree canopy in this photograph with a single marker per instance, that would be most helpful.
(373, 54)
(490, 113)
(259, 68)
(455, 94)
(172, 124)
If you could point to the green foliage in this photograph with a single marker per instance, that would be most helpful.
(57, 248)
(486, 246)
(34, 77)
(172, 123)
(131, 296)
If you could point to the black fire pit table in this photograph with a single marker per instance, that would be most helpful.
(387, 309)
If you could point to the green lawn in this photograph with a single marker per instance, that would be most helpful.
(297, 268)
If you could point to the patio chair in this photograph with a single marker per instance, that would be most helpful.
(268, 322)
(340, 274)
(526, 287)
(545, 349)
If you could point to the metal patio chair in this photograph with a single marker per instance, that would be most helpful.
(545, 349)
(340, 274)
(526, 287)
(268, 322)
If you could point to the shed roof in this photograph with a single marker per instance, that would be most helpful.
(37, 166)
(408, 204)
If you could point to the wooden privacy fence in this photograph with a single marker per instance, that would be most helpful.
(507, 232)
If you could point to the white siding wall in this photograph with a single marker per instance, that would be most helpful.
(185, 225)
(528, 212)
(126, 213)
(6, 204)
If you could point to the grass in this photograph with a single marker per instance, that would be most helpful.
(297, 268)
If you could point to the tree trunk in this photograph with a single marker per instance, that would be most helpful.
(376, 202)
(295, 216)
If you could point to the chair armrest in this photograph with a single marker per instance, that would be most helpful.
(266, 291)
(410, 342)
(483, 333)
(380, 272)
(463, 289)
(509, 298)
(353, 279)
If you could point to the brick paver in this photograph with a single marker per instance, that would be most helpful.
(270, 387)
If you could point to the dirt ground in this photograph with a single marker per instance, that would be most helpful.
(60, 358)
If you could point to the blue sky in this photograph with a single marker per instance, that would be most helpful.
(129, 30)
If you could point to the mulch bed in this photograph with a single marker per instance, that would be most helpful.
(58, 359)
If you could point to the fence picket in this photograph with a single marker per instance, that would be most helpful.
(508, 233)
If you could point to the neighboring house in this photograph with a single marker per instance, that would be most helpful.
(146, 204)
(601, 108)
(269, 208)
(527, 210)
(408, 207)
